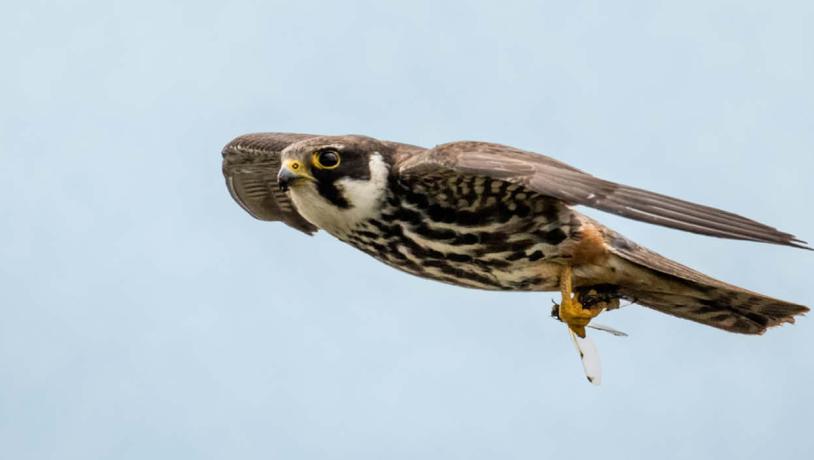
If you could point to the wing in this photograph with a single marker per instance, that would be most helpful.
(608, 329)
(589, 356)
(250, 166)
(550, 177)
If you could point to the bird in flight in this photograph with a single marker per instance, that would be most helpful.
(491, 216)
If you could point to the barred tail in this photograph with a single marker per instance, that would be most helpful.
(669, 287)
(731, 310)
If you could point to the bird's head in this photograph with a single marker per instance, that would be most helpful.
(336, 181)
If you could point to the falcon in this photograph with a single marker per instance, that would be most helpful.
(490, 216)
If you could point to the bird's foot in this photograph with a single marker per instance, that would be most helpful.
(576, 315)
(578, 309)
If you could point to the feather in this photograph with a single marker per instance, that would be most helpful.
(654, 281)
(555, 179)
(250, 166)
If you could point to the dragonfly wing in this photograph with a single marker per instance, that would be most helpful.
(608, 329)
(589, 356)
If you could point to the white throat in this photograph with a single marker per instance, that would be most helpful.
(364, 197)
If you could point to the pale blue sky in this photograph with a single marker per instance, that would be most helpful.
(145, 315)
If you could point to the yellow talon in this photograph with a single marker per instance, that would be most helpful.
(571, 311)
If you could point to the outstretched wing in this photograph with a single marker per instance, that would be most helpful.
(250, 166)
(550, 177)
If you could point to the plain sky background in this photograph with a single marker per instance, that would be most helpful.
(145, 315)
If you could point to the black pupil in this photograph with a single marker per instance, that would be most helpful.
(328, 159)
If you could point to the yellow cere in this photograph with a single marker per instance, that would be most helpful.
(294, 166)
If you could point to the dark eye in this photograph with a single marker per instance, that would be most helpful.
(326, 159)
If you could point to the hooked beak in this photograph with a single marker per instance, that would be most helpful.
(291, 172)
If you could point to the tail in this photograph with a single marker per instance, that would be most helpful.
(654, 281)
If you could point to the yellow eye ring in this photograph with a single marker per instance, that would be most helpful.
(325, 159)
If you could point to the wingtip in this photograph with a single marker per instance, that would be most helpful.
(800, 244)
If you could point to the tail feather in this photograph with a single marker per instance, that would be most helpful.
(654, 281)
(732, 311)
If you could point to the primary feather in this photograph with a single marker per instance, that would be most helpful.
(556, 179)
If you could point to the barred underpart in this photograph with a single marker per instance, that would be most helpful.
(468, 231)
